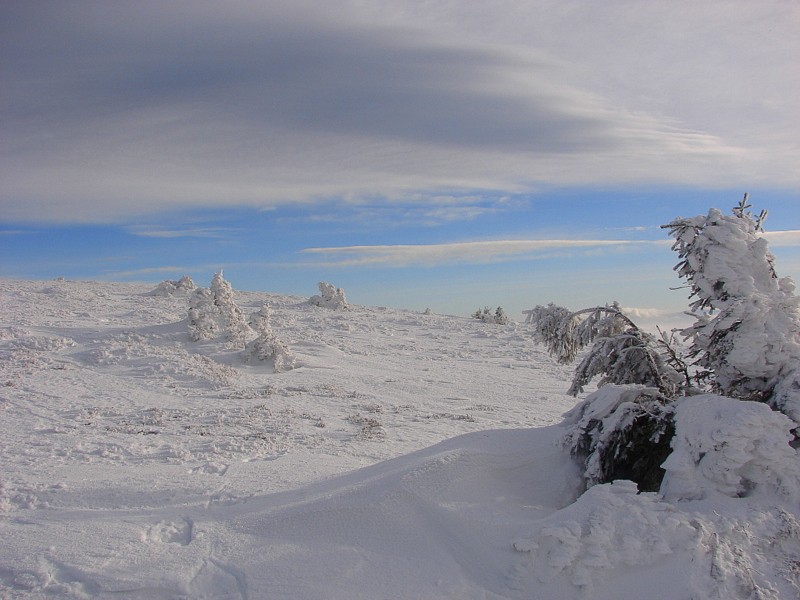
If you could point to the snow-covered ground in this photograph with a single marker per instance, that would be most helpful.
(406, 455)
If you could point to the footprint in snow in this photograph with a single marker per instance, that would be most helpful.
(213, 468)
(165, 532)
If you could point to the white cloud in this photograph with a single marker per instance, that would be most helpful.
(647, 313)
(654, 319)
(482, 252)
(777, 239)
(146, 271)
(161, 232)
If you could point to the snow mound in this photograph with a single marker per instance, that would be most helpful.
(609, 527)
(183, 287)
(732, 448)
(724, 525)
(613, 543)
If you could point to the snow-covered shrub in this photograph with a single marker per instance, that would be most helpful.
(371, 428)
(330, 297)
(267, 347)
(750, 347)
(731, 447)
(498, 317)
(622, 432)
(213, 312)
(184, 286)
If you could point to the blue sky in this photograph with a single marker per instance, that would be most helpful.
(446, 155)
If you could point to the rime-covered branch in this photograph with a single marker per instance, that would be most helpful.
(621, 352)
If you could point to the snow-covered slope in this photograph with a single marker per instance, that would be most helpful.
(405, 456)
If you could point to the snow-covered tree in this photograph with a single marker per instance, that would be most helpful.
(267, 346)
(233, 320)
(622, 432)
(546, 321)
(330, 297)
(746, 335)
(726, 446)
(213, 312)
(620, 352)
(745, 340)
(498, 317)
(202, 316)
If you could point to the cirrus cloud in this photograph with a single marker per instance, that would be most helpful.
(481, 252)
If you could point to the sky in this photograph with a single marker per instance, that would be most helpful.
(447, 155)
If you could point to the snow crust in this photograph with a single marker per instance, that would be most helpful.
(405, 455)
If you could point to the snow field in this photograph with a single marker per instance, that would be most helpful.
(405, 456)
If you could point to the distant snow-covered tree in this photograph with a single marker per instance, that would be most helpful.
(498, 317)
(547, 321)
(202, 315)
(330, 297)
(267, 346)
(746, 335)
(233, 319)
(213, 312)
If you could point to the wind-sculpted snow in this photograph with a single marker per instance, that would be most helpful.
(734, 448)
(616, 543)
(406, 455)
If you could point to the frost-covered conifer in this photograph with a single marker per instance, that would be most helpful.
(622, 432)
(746, 338)
(747, 330)
(485, 315)
(202, 315)
(231, 316)
(620, 352)
(267, 347)
(330, 297)
(547, 321)
(213, 312)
